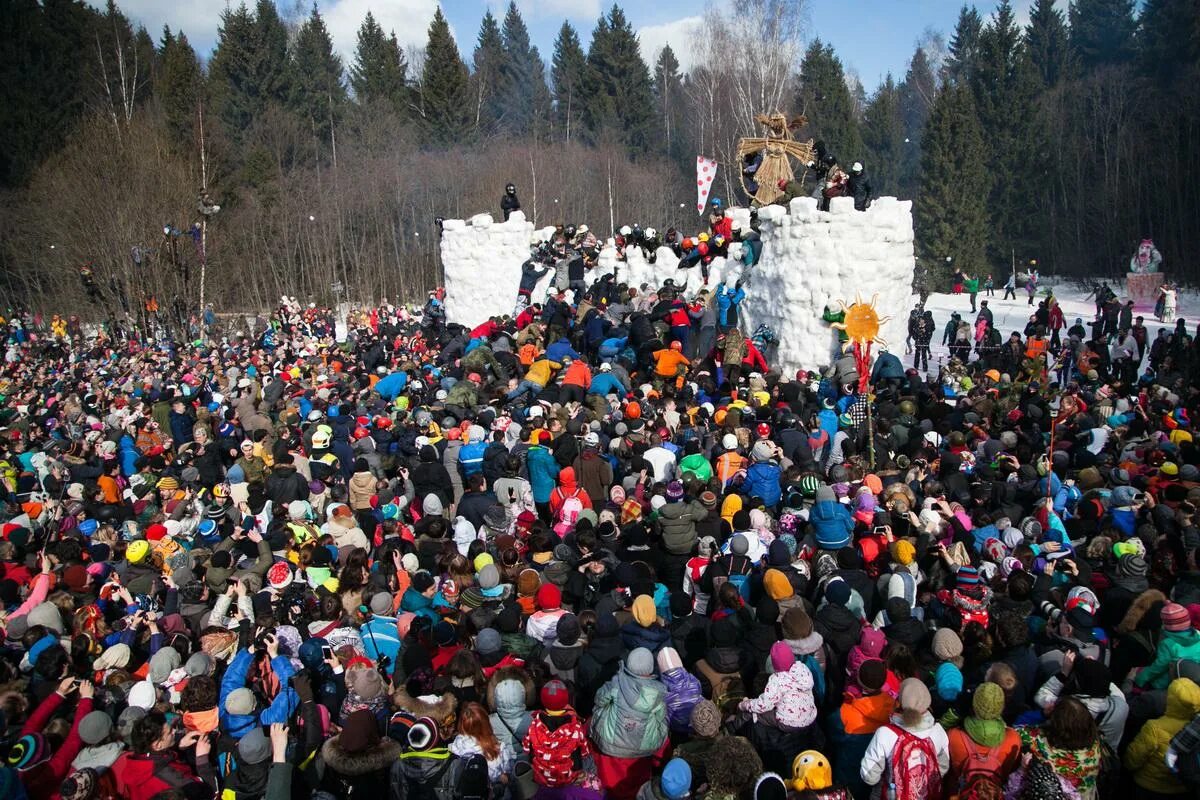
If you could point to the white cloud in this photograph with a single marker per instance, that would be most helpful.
(408, 18)
(199, 19)
(536, 9)
(681, 34)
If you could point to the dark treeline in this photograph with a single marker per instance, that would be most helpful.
(1067, 140)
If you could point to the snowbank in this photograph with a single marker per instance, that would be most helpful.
(809, 259)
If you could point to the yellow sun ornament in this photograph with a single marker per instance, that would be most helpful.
(861, 323)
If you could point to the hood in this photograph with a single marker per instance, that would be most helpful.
(566, 477)
(99, 757)
(824, 511)
(509, 697)
(1183, 699)
(379, 757)
(724, 659)
(364, 481)
(639, 694)
(565, 657)
(925, 723)
(674, 510)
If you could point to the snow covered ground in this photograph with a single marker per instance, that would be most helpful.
(1013, 315)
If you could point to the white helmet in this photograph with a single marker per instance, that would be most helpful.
(582, 229)
(651, 233)
(626, 230)
(856, 166)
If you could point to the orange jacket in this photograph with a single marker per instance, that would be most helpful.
(865, 715)
(728, 465)
(967, 755)
(668, 361)
(577, 374)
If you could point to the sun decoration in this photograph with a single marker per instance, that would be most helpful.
(861, 322)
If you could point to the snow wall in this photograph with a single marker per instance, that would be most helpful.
(810, 259)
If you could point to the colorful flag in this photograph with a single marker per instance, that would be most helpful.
(706, 170)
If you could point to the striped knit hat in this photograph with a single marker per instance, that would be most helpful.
(1175, 618)
(967, 576)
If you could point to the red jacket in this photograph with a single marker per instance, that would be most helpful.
(1057, 320)
(485, 331)
(754, 359)
(141, 776)
(43, 781)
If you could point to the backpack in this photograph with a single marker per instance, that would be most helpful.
(571, 508)
(1186, 745)
(913, 767)
(738, 579)
(980, 778)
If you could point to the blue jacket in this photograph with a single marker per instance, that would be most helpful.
(605, 383)
(391, 385)
(129, 456)
(611, 348)
(827, 418)
(762, 480)
(543, 472)
(470, 458)
(560, 350)
(380, 637)
(887, 366)
(281, 708)
(832, 524)
(417, 603)
(728, 301)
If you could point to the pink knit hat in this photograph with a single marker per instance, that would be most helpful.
(1175, 618)
(782, 657)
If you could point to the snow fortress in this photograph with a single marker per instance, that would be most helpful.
(810, 259)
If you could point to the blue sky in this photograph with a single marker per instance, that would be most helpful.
(873, 37)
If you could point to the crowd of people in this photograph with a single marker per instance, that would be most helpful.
(598, 548)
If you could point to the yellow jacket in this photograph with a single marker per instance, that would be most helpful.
(1146, 754)
(541, 370)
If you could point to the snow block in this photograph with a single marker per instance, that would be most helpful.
(810, 259)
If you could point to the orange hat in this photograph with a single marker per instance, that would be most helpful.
(632, 410)
(873, 483)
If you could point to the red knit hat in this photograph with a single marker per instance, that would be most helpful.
(155, 532)
(555, 696)
(549, 597)
(1175, 618)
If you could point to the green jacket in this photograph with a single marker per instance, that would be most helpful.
(696, 464)
(1173, 646)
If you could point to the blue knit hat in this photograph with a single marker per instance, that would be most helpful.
(676, 779)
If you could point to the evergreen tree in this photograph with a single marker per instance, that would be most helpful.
(318, 93)
(444, 105)
(917, 93)
(379, 70)
(1102, 32)
(45, 52)
(488, 103)
(248, 69)
(523, 91)
(620, 96)
(1169, 40)
(1046, 41)
(951, 219)
(178, 87)
(883, 137)
(826, 101)
(271, 52)
(964, 47)
(1004, 86)
(568, 72)
(668, 103)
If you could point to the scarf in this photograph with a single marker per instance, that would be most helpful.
(202, 721)
(987, 732)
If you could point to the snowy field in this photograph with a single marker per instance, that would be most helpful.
(1013, 315)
